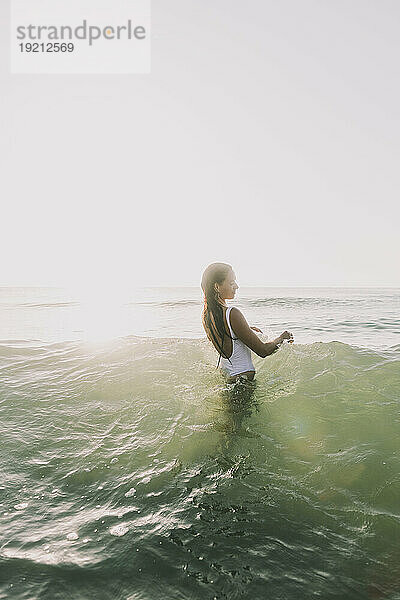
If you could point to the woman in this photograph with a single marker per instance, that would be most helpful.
(227, 328)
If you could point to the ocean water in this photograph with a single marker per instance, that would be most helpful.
(131, 471)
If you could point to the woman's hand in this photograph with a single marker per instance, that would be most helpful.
(256, 329)
(286, 335)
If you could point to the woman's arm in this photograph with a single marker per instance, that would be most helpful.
(243, 331)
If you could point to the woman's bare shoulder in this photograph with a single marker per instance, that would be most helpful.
(237, 315)
(238, 321)
(244, 332)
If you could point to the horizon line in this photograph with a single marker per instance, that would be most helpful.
(150, 286)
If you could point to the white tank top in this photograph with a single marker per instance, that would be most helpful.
(240, 361)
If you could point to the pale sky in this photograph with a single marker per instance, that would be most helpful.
(266, 136)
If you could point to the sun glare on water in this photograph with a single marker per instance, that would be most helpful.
(104, 313)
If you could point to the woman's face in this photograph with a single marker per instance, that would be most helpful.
(228, 287)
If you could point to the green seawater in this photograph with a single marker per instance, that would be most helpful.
(131, 471)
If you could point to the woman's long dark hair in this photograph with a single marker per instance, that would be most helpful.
(213, 314)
